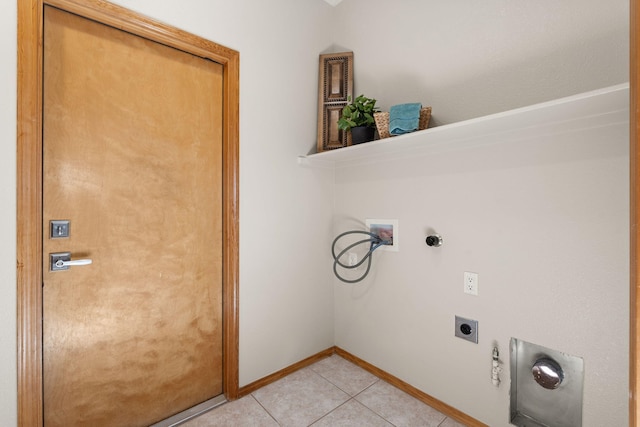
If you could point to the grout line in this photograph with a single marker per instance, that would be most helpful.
(344, 391)
(331, 411)
(377, 380)
(362, 403)
(265, 409)
(354, 397)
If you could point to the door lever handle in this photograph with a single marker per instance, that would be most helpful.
(62, 261)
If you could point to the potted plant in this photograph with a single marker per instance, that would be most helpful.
(357, 117)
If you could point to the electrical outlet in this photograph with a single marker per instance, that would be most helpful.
(352, 259)
(467, 329)
(470, 283)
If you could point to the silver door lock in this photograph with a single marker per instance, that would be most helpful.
(59, 229)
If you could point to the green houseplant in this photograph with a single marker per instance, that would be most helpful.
(357, 117)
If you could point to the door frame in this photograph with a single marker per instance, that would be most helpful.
(29, 184)
(634, 214)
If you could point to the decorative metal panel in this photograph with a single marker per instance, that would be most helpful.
(335, 89)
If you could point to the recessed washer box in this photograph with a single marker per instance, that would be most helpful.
(387, 229)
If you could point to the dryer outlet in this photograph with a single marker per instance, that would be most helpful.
(466, 329)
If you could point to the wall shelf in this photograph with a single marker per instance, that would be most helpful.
(603, 107)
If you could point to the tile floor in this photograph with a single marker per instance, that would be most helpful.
(332, 392)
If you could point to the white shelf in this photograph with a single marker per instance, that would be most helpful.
(603, 107)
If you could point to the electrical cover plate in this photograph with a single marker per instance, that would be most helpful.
(470, 283)
(467, 329)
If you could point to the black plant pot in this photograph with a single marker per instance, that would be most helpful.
(362, 134)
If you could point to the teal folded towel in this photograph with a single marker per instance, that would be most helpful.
(404, 118)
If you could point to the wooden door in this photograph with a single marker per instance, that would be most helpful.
(132, 149)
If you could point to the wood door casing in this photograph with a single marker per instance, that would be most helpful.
(132, 156)
(634, 216)
(29, 236)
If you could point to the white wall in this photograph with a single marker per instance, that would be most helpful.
(8, 350)
(469, 59)
(544, 222)
(466, 59)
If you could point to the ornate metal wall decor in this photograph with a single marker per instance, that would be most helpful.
(335, 88)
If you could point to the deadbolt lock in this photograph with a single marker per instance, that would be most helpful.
(59, 229)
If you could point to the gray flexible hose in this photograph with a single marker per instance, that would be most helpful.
(375, 242)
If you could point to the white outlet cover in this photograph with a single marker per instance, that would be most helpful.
(385, 227)
(470, 283)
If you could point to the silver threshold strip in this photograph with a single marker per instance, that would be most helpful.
(190, 413)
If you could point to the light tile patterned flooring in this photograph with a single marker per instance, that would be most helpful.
(332, 392)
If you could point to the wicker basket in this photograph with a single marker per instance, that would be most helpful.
(382, 121)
